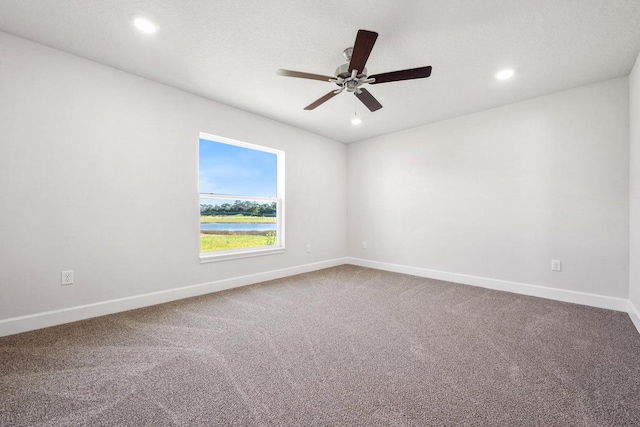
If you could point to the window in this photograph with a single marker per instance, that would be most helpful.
(241, 199)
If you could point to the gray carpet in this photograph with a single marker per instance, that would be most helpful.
(343, 346)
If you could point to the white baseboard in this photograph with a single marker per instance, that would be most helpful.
(592, 300)
(634, 314)
(31, 322)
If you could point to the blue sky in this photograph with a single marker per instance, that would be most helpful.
(227, 169)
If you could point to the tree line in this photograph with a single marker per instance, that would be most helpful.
(239, 207)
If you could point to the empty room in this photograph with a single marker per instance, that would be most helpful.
(297, 213)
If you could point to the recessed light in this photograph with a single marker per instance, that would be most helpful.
(505, 74)
(144, 25)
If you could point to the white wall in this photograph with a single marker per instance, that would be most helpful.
(634, 191)
(99, 174)
(500, 193)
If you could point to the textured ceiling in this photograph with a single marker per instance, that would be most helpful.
(229, 51)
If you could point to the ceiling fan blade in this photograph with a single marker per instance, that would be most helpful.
(321, 100)
(362, 49)
(394, 76)
(368, 100)
(290, 73)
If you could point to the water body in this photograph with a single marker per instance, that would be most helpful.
(250, 226)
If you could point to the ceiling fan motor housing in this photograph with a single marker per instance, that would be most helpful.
(350, 80)
(343, 72)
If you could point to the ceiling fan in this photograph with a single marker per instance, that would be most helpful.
(352, 75)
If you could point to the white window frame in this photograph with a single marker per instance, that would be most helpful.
(279, 247)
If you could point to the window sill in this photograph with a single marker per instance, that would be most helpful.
(238, 254)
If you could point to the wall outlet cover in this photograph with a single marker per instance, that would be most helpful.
(66, 277)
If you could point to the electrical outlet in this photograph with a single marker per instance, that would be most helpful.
(66, 277)
(556, 265)
(364, 245)
(308, 247)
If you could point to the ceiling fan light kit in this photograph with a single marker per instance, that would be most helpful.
(353, 75)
